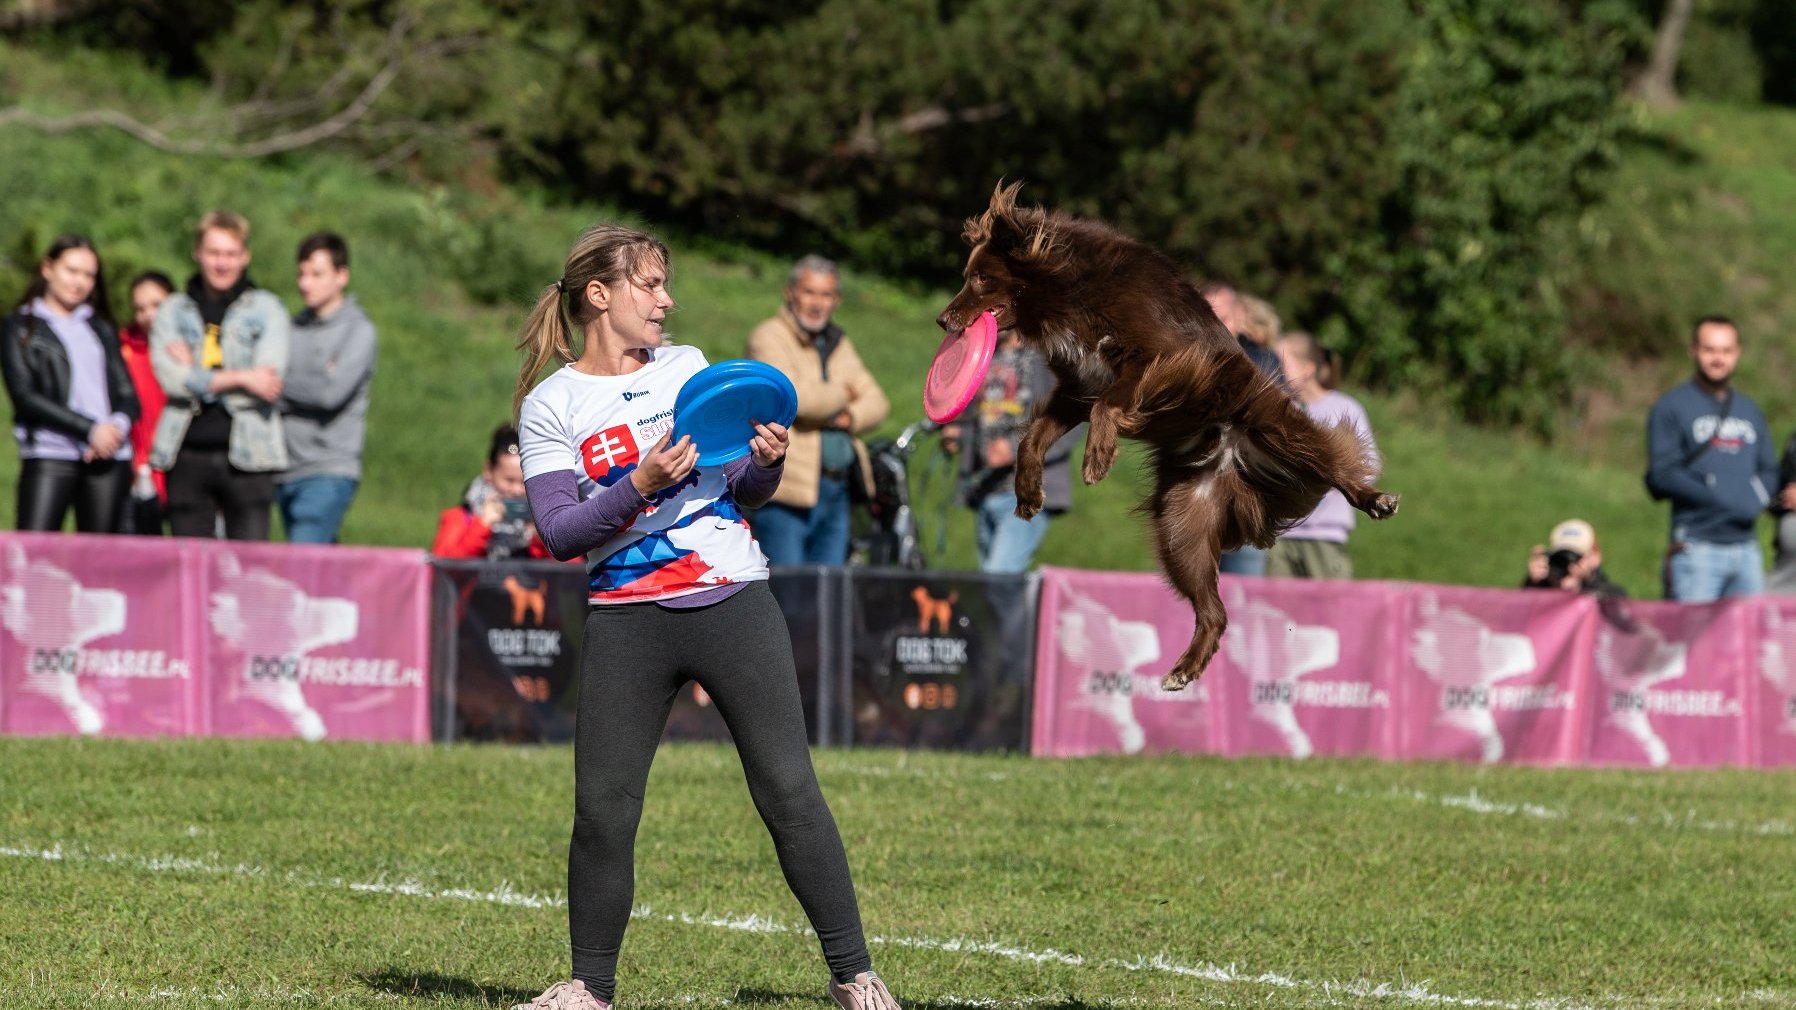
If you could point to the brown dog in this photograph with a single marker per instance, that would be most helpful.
(1138, 353)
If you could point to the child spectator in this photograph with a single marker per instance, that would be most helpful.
(149, 487)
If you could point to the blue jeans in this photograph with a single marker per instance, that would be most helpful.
(1244, 561)
(312, 508)
(1006, 543)
(1704, 572)
(814, 536)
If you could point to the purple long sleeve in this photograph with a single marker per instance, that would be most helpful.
(752, 484)
(571, 527)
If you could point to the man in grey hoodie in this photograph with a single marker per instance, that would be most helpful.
(325, 400)
(1709, 451)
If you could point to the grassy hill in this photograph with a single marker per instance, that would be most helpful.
(1697, 222)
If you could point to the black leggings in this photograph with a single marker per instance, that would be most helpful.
(636, 657)
(98, 490)
(202, 485)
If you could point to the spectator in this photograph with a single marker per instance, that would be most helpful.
(149, 490)
(1570, 560)
(1316, 548)
(1710, 453)
(219, 349)
(1782, 579)
(807, 520)
(1225, 301)
(324, 402)
(493, 521)
(72, 401)
(1016, 384)
(1261, 326)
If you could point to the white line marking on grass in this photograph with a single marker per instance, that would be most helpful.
(1688, 822)
(1328, 990)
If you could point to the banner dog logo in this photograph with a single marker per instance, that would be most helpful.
(1466, 658)
(275, 624)
(530, 600)
(931, 610)
(53, 616)
(1273, 651)
(1629, 664)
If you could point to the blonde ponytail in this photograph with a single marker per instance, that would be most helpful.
(608, 253)
(543, 339)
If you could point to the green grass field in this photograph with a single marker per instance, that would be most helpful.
(218, 873)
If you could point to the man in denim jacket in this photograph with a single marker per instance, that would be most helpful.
(219, 349)
(1709, 452)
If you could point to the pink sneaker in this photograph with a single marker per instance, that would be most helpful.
(565, 996)
(866, 992)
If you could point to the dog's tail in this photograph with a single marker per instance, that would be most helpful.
(1171, 381)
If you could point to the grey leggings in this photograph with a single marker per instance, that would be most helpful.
(635, 658)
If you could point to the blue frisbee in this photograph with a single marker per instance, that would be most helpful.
(718, 407)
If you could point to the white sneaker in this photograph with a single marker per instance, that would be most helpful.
(866, 992)
(565, 996)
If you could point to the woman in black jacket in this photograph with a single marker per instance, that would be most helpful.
(72, 398)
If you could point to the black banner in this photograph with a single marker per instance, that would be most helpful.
(506, 660)
(506, 653)
(941, 659)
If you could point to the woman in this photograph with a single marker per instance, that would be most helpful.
(73, 405)
(493, 520)
(149, 490)
(1316, 548)
(678, 591)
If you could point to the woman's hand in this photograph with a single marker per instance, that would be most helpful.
(769, 444)
(104, 441)
(664, 465)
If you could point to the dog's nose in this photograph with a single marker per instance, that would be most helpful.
(944, 321)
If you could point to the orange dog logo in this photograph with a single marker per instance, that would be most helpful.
(526, 599)
(931, 610)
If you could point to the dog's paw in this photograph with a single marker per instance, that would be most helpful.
(1027, 507)
(1384, 506)
(1179, 676)
(1097, 464)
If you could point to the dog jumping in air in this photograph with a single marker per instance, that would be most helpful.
(1138, 353)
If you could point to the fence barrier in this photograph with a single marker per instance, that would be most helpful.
(138, 636)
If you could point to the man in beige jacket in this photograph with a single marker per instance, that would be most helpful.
(806, 523)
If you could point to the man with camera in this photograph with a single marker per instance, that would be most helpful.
(1571, 561)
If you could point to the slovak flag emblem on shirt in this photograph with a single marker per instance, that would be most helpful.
(609, 454)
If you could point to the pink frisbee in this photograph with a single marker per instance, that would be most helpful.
(959, 369)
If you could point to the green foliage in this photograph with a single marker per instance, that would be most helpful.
(1397, 176)
(1505, 124)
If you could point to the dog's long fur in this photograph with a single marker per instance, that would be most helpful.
(1138, 353)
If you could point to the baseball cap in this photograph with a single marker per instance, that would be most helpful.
(1572, 535)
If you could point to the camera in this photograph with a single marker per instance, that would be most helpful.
(1559, 564)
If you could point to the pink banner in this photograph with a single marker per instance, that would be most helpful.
(1772, 682)
(1399, 670)
(154, 636)
(316, 642)
(1667, 689)
(1290, 680)
(1492, 674)
(1104, 639)
(88, 643)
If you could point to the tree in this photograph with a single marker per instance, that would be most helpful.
(1657, 82)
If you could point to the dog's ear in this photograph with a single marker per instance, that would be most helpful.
(1026, 234)
(997, 224)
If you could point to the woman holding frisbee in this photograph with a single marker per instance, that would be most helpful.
(678, 591)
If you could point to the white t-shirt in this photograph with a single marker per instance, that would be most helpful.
(691, 537)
